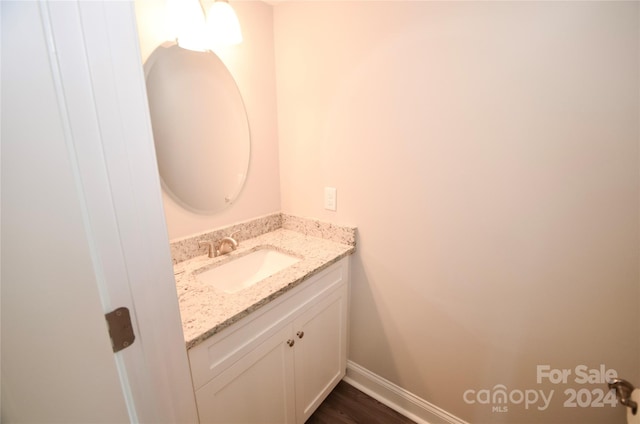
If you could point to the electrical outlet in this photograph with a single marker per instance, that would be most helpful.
(330, 198)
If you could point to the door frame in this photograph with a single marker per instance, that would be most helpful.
(96, 64)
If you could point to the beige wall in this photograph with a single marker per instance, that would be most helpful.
(488, 153)
(252, 65)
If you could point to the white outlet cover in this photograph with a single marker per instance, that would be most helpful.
(330, 198)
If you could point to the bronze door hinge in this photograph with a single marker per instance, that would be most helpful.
(120, 329)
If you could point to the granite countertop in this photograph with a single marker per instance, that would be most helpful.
(206, 311)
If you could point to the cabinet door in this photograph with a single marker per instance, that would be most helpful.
(258, 388)
(320, 351)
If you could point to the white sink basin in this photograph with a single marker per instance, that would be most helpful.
(245, 271)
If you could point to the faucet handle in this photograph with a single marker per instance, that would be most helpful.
(210, 249)
(231, 238)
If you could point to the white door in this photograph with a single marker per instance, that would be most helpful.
(82, 224)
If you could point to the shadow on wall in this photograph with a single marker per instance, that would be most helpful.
(402, 365)
(504, 374)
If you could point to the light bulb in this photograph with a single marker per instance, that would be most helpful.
(223, 26)
(188, 24)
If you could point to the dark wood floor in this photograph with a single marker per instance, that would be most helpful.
(348, 405)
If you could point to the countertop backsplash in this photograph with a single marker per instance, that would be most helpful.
(187, 248)
(325, 230)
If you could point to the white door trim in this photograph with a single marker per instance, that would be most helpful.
(95, 49)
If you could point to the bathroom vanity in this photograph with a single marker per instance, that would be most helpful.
(271, 351)
(265, 321)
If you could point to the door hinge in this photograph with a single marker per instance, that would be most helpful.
(120, 329)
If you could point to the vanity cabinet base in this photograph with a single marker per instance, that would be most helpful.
(278, 364)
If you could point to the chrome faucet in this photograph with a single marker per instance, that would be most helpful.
(227, 244)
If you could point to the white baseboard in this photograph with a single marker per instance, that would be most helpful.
(397, 398)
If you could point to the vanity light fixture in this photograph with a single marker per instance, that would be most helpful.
(223, 26)
(187, 24)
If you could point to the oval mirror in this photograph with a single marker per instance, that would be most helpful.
(200, 127)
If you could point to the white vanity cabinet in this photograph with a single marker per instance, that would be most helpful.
(280, 362)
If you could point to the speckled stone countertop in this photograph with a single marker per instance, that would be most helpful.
(206, 311)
